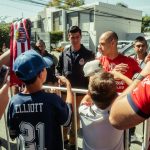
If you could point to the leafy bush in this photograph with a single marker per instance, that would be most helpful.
(146, 23)
(4, 35)
(56, 37)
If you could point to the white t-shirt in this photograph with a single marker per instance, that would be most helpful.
(98, 133)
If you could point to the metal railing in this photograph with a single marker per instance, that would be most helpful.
(145, 142)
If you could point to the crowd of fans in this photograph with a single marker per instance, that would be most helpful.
(118, 94)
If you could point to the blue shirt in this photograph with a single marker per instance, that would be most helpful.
(37, 118)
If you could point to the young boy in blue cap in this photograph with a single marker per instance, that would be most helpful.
(34, 116)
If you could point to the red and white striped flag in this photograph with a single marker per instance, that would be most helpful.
(19, 43)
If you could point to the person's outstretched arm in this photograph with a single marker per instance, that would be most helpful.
(119, 75)
(69, 99)
(4, 98)
(5, 59)
(129, 109)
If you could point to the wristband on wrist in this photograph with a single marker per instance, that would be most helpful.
(139, 77)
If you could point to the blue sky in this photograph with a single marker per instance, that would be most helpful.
(13, 9)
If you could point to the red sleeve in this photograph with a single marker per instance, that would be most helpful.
(139, 99)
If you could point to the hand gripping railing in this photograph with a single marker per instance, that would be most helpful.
(75, 91)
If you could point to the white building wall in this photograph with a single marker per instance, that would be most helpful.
(48, 20)
(121, 26)
(84, 22)
(101, 21)
(88, 26)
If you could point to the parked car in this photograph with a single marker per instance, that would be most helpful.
(123, 44)
(128, 50)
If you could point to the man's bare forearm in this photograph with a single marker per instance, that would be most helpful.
(5, 59)
(144, 73)
(4, 98)
(69, 97)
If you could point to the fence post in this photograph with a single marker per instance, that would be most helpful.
(75, 120)
(146, 135)
(7, 134)
(126, 140)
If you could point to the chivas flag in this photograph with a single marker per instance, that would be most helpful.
(19, 43)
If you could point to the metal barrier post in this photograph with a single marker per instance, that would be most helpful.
(17, 140)
(62, 132)
(146, 135)
(7, 134)
(75, 120)
(126, 139)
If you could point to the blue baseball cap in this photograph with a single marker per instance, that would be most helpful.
(28, 65)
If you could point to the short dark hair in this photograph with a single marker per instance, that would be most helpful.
(102, 89)
(74, 29)
(140, 39)
(40, 41)
(28, 82)
(31, 81)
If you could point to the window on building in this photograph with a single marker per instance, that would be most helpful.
(92, 16)
(73, 19)
(57, 20)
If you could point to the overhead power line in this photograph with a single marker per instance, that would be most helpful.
(8, 5)
(97, 12)
(33, 2)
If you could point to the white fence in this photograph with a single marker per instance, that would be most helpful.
(145, 142)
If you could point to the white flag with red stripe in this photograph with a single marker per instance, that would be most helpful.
(19, 43)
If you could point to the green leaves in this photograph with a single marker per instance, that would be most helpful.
(146, 23)
(65, 4)
(4, 35)
(56, 36)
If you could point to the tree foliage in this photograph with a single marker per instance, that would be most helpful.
(66, 3)
(4, 34)
(56, 36)
(55, 3)
(146, 23)
(122, 4)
